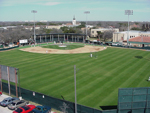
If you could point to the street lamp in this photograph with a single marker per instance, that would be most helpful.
(34, 11)
(128, 12)
(86, 12)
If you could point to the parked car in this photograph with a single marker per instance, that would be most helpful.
(0, 93)
(24, 109)
(17, 103)
(7, 101)
(41, 109)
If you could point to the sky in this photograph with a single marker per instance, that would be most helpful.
(65, 10)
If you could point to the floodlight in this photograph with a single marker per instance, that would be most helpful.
(87, 12)
(128, 12)
(34, 11)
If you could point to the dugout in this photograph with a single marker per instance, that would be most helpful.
(60, 37)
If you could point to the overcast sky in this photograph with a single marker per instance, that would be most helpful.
(64, 10)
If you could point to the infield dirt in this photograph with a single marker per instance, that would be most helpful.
(85, 49)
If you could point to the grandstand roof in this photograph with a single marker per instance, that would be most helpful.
(74, 34)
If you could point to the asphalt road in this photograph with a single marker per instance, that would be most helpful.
(4, 109)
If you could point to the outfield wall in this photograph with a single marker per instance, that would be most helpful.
(130, 100)
(51, 101)
(8, 48)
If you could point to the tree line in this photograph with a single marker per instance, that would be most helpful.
(18, 33)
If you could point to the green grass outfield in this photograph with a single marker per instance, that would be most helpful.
(98, 79)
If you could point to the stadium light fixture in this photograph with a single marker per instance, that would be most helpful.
(128, 12)
(34, 11)
(86, 12)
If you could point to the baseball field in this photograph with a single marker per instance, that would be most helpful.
(98, 77)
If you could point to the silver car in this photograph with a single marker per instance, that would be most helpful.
(7, 101)
(17, 103)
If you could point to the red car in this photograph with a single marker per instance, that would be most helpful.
(25, 109)
(0, 93)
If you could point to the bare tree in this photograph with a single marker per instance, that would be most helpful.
(107, 35)
(100, 34)
(88, 32)
(14, 35)
(56, 31)
(64, 107)
(1, 37)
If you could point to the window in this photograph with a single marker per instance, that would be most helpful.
(44, 109)
(26, 107)
(19, 103)
(38, 108)
(13, 103)
(19, 110)
(92, 31)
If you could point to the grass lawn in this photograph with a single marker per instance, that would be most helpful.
(68, 47)
(98, 79)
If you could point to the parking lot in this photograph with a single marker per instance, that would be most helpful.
(4, 109)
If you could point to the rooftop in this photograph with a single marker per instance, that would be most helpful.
(140, 39)
(140, 32)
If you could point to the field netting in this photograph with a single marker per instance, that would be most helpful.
(134, 100)
(5, 70)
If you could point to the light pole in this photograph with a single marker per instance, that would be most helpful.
(128, 12)
(75, 88)
(86, 12)
(34, 11)
(142, 39)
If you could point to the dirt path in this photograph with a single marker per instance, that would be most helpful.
(85, 49)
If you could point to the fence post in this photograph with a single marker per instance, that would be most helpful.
(16, 83)
(8, 80)
(1, 79)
